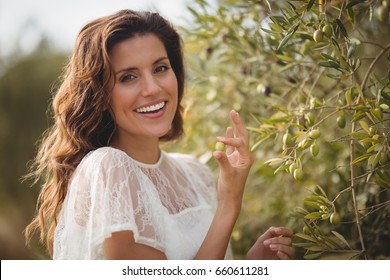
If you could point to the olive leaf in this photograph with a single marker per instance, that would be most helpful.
(341, 238)
(342, 28)
(288, 36)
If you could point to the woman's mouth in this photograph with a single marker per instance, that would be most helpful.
(151, 109)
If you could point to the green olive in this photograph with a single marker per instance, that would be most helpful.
(292, 168)
(382, 13)
(305, 143)
(327, 30)
(310, 118)
(287, 139)
(325, 216)
(306, 230)
(335, 218)
(341, 121)
(260, 88)
(298, 174)
(377, 112)
(314, 134)
(220, 146)
(384, 106)
(318, 35)
(314, 149)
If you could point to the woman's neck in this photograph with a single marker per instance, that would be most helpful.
(143, 150)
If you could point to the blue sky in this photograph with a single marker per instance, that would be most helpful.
(22, 20)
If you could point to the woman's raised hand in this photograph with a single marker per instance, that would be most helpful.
(234, 163)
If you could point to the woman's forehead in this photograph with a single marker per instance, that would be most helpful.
(137, 51)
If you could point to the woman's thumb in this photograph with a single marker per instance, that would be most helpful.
(221, 158)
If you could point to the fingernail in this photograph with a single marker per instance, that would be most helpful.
(217, 155)
(234, 111)
(266, 242)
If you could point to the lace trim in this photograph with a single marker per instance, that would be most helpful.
(142, 164)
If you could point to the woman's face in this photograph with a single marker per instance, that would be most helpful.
(145, 94)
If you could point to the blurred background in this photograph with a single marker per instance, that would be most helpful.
(240, 57)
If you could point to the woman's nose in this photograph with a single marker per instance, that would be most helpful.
(150, 85)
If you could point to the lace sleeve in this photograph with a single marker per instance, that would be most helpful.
(105, 196)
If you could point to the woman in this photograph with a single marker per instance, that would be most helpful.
(109, 191)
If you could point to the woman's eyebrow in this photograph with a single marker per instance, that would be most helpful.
(160, 59)
(127, 69)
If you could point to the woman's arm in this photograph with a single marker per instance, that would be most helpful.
(234, 165)
(122, 246)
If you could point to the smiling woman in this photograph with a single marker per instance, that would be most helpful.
(144, 98)
(109, 191)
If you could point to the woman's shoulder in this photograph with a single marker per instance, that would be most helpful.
(101, 166)
(104, 159)
(104, 155)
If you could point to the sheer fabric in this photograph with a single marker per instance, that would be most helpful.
(168, 205)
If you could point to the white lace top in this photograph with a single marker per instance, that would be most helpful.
(168, 205)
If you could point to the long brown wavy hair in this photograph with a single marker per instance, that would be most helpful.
(80, 108)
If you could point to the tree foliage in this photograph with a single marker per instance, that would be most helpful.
(311, 79)
(25, 88)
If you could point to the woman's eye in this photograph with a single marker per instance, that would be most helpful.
(128, 77)
(161, 68)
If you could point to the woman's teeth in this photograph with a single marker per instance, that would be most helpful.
(152, 108)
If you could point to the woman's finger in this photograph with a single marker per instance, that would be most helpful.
(233, 142)
(287, 250)
(278, 240)
(278, 231)
(240, 140)
(285, 231)
(229, 134)
(239, 126)
(283, 256)
(222, 160)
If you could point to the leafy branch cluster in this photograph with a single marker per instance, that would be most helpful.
(334, 49)
(312, 79)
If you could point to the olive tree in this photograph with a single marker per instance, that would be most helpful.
(312, 81)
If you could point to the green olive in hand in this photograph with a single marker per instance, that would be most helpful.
(220, 146)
